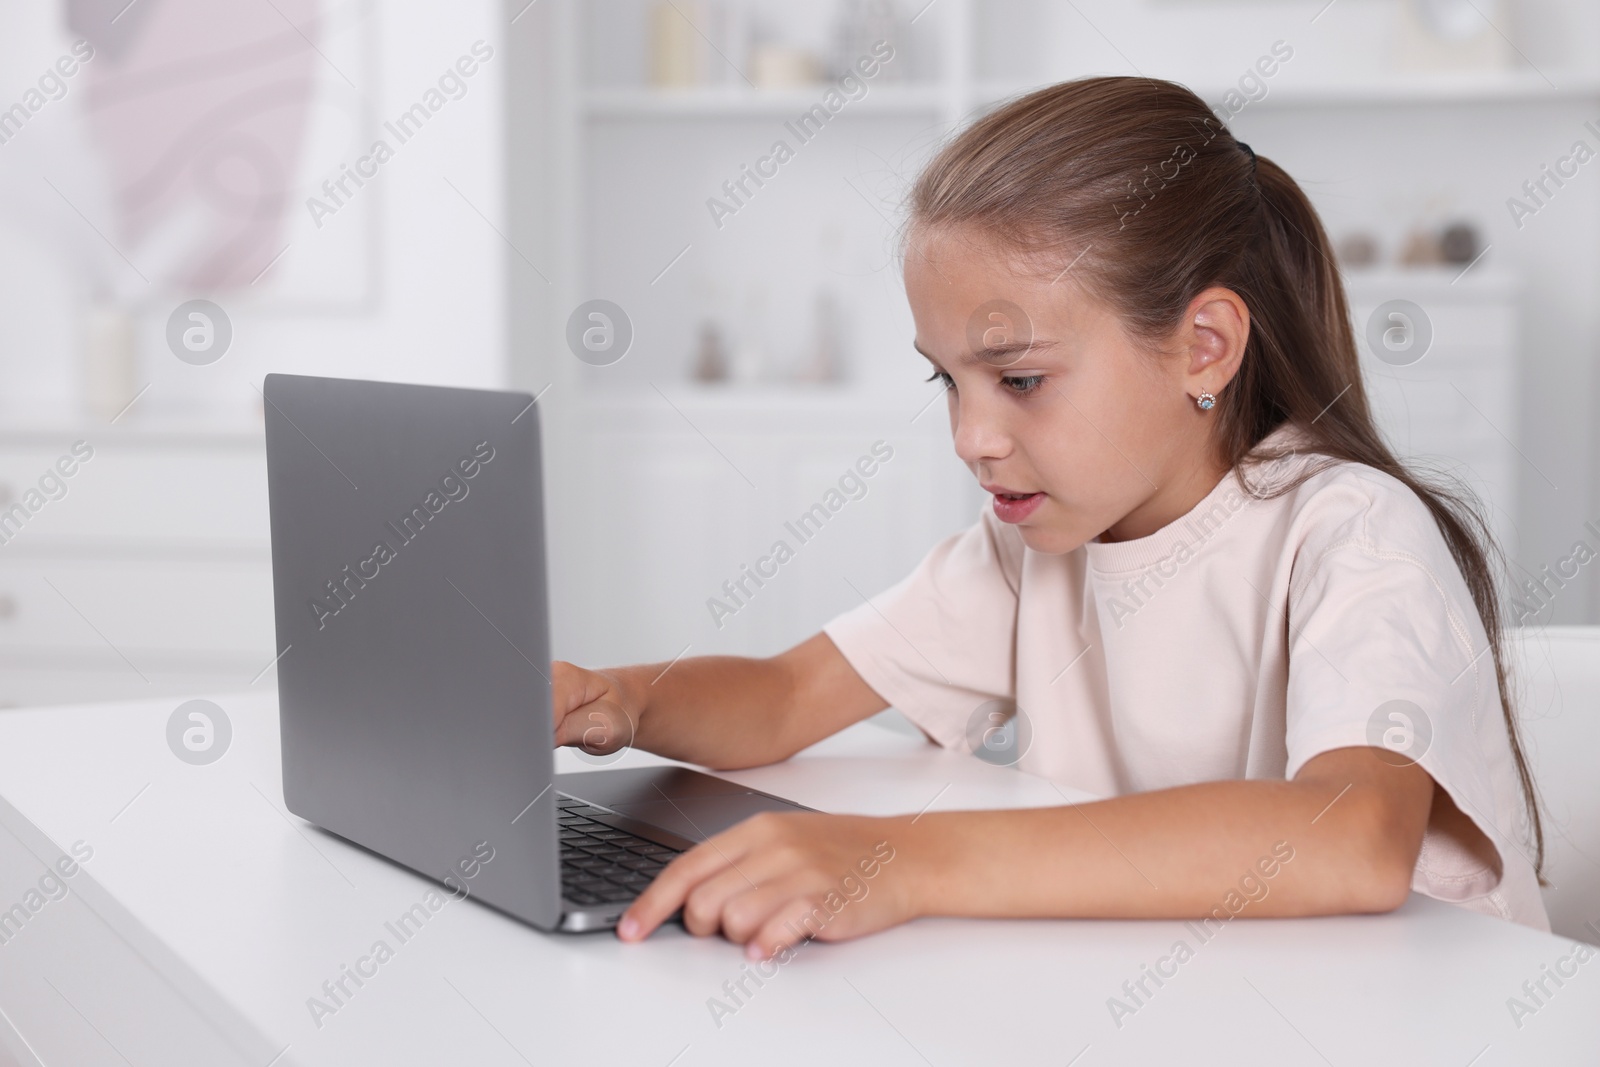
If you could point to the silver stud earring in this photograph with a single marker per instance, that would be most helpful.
(1205, 400)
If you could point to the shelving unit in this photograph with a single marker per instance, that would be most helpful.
(908, 120)
(636, 163)
(713, 471)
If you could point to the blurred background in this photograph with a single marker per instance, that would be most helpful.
(195, 193)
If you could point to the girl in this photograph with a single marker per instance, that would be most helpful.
(1209, 589)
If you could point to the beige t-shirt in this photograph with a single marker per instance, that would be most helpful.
(1239, 641)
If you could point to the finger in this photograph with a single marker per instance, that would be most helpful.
(707, 903)
(598, 727)
(561, 688)
(568, 687)
(796, 920)
(672, 886)
(571, 687)
(568, 692)
(746, 913)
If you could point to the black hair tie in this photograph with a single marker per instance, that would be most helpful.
(1250, 151)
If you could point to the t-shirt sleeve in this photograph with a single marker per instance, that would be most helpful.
(940, 645)
(1386, 649)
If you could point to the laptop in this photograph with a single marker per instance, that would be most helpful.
(410, 596)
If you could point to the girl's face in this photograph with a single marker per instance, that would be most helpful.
(1077, 431)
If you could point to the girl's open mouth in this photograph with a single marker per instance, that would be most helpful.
(1014, 507)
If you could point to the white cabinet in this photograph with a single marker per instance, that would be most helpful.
(1455, 407)
(145, 572)
(683, 500)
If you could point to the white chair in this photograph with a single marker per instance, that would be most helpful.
(1558, 682)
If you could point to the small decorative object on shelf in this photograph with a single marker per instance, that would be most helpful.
(1434, 35)
(1358, 248)
(673, 45)
(698, 42)
(711, 355)
(827, 342)
(860, 25)
(109, 354)
(1460, 243)
(1421, 249)
(750, 345)
(774, 65)
(1455, 244)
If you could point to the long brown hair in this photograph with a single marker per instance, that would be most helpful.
(1137, 188)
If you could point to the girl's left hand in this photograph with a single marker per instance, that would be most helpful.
(779, 878)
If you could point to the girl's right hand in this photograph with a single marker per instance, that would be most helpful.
(588, 711)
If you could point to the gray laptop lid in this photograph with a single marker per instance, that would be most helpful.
(409, 585)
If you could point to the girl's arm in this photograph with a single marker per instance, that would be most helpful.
(1342, 837)
(722, 712)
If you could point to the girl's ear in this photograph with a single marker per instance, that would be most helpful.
(1213, 334)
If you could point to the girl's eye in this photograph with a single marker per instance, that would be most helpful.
(941, 376)
(1024, 386)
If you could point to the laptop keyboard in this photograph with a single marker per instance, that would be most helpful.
(601, 864)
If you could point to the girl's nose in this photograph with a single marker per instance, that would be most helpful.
(980, 437)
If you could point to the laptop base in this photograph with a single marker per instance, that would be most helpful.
(618, 828)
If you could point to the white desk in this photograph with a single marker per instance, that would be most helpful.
(207, 916)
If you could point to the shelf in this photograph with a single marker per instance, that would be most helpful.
(738, 102)
(770, 408)
(736, 395)
(931, 100)
(1482, 281)
(155, 426)
(1445, 87)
